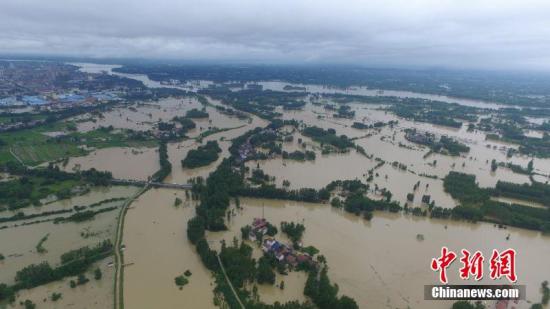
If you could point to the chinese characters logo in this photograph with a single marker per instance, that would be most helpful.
(501, 264)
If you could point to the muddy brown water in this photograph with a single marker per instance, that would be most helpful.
(379, 263)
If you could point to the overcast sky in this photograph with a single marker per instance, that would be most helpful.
(497, 34)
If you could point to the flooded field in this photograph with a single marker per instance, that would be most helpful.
(381, 263)
(178, 151)
(62, 237)
(122, 162)
(157, 251)
(20, 242)
(143, 116)
(94, 294)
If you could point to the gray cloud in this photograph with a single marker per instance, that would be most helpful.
(460, 33)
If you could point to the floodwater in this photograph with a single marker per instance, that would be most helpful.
(178, 151)
(62, 237)
(365, 91)
(157, 251)
(278, 86)
(123, 162)
(143, 116)
(390, 145)
(381, 263)
(94, 294)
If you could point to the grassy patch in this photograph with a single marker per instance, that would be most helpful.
(33, 147)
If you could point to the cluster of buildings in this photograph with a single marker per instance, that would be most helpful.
(419, 138)
(43, 84)
(246, 150)
(283, 253)
(60, 100)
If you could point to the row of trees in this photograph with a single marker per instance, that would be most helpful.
(72, 263)
(476, 203)
(165, 165)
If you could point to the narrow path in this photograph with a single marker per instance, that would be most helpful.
(119, 257)
(229, 282)
(16, 157)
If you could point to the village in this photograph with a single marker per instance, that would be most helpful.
(283, 253)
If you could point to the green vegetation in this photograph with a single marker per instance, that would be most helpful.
(294, 231)
(545, 293)
(98, 274)
(517, 168)
(181, 281)
(30, 189)
(324, 294)
(513, 89)
(378, 124)
(265, 271)
(476, 205)
(202, 156)
(270, 191)
(40, 246)
(72, 263)
(82, 216)
(186, 123)
(464, 304)
(357, 204)
(344, 111)
(256, 101)
(39, 183)
(165, 165)
(445, 145)
(238, 262)
(55, 296)
(29, 304)
(299, 156)
(21, 216)
(328, 137)
(215, 194)
(464, 188)
(195, 113)
(536, 191)
(33, 146)
(434, 112)
(511, 130)
(225, 182)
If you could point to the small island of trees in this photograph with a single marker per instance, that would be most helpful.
(202, 156)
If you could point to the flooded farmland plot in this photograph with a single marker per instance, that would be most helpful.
(46, 238)
(387, 263)
(157, 249)
(120, 161)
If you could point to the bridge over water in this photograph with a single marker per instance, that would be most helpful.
(141, 183)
